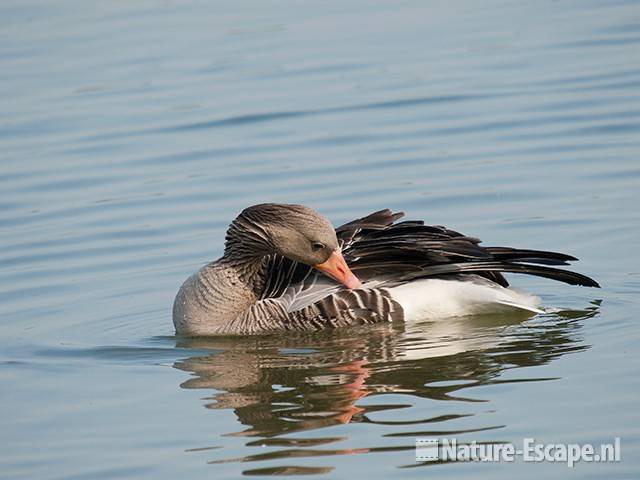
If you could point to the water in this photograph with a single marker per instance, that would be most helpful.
(132, 133)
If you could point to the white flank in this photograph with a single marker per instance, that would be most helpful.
(435, 298)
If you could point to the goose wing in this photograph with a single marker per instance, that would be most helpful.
(378, 247)
(383, 252)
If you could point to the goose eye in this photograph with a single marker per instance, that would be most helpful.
(317, 246)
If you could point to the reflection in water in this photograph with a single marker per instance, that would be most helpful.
(280, 385)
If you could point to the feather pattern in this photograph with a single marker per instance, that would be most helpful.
(412, 250)
(385, 254)
(393, 253)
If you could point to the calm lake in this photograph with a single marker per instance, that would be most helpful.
(132, 133)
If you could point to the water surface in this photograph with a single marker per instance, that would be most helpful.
(132, 133)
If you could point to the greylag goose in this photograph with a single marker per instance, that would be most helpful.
(285, 267)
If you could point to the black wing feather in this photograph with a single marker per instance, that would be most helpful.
(376, 246)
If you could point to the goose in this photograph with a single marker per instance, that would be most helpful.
(285, 267)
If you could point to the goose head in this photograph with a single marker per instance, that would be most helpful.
(296, 232)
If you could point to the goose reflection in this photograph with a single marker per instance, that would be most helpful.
(284, 384)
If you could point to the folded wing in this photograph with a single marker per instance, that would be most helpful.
(385, 253)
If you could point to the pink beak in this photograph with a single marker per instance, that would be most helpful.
(336, 268)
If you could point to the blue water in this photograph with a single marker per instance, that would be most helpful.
(132, 133)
